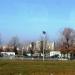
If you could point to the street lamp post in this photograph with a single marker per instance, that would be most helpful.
(44, 33)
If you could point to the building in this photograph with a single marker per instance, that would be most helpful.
(37, 45)
(51, 46)
(8, 53)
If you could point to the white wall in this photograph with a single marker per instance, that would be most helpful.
(52, 53)
(8, 53)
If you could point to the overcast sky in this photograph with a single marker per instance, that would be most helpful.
(28, 18)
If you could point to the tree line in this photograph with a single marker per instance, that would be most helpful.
(65, 43)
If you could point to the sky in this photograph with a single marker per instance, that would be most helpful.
(28, 18)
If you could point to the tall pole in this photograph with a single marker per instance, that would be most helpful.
(44, 33)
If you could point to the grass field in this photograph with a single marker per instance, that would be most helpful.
(19, 67)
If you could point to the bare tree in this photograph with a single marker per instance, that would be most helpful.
(15, 43)
(67, 41)
(32, 48)
(1, 48)
(41, 46)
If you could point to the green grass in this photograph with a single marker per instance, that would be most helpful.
(19, 67)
